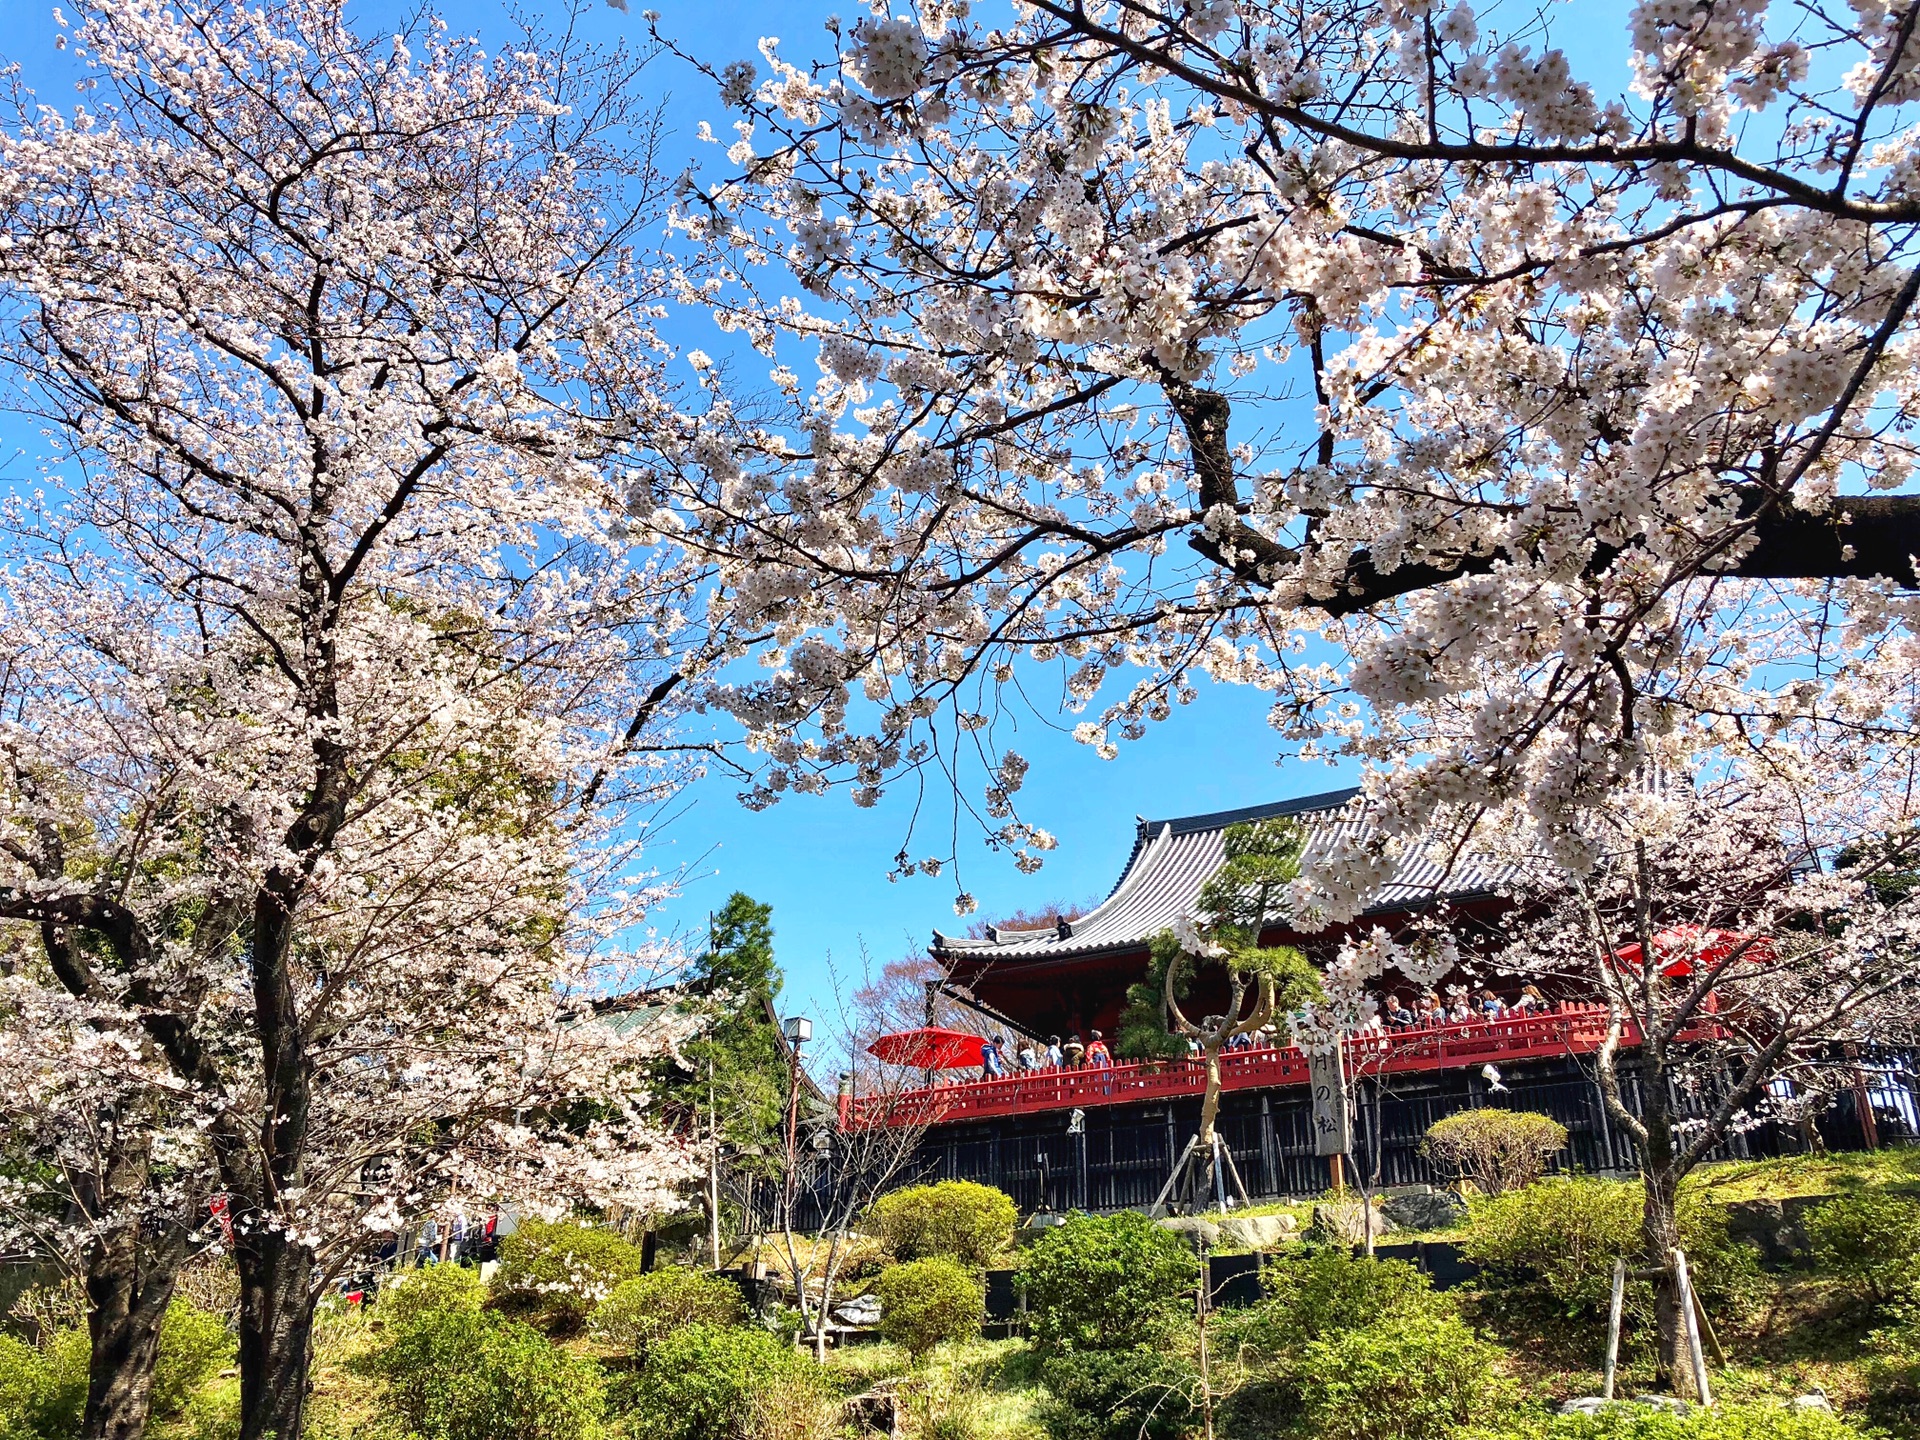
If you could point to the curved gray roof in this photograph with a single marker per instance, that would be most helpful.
(1172, 859)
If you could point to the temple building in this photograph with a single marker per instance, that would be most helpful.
(1106, 1139)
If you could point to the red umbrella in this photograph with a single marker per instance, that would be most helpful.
(929, 1048)
(1684, 942)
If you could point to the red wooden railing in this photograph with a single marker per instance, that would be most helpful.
(1566, 1030)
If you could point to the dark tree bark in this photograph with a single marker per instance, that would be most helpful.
(130, 1275)
(276, 1332)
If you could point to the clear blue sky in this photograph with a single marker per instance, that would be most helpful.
(819, 861)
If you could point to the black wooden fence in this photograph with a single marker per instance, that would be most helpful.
(1118, 1157)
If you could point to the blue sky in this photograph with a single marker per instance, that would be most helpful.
(819, 861)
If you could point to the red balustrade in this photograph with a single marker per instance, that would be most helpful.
(1567, 1030)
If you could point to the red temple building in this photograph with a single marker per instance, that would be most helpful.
(1106, 1139)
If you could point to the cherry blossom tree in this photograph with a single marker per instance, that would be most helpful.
(1354, 352)
(1744, 971)
(332, 669)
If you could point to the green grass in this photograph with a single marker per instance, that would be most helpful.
(1790, 1175)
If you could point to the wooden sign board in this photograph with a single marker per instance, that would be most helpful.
(1332, 1129)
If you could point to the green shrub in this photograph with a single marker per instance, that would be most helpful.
(1496, 1150)
(1108, 1282)
(643, 1309)
(702, 1382)
(561, 1270)
(924, 1303)
(430, 1290)
(1561, 1236)
(460, 1373)
(1119, 1395)
(955, 1218)
(26, 1383)
(1871, 1243)
(1403, 1377)
(1758, 1421)
(194, 1346)
(1322, 1292)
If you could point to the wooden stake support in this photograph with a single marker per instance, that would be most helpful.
(1613, 1326)
(1689, 1314)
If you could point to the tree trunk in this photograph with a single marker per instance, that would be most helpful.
(129, 1285)
(1660, 1222)
(276, 1330)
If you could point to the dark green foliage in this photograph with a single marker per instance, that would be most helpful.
(925, 1303)
(1107, 1282)
(1143, 1033)
(1138, 1394)
(1250, 887)
(702, 1382)
(955, 1218)
(1871, 1243)
(739, 1050)
(647, 1308)
(455, 1372)
(559, 1270)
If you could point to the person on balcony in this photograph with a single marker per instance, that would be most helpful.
(1461, 1012)
(1531, 1002)
(1492, 1007)
(992, 1067)
(1075, 1051)
(1025, 1058)
(1399, 1017)
(1430, 1012)
(1098, 1057)
(1056, 1058)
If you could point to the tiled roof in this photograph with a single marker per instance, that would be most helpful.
(1172, 859)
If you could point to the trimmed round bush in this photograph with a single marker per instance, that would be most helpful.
(925, 1303)
(561, 1270)
(1495, 1150)
(1107, 1282)
(1871, 1243)
(454, 1372)
(428, 1291)
(1403, 1377)
(642, 1310)
(955, 1218)
(1119, 1395)
(704, 1381)
(194, 1346)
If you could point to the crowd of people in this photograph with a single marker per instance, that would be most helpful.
(1459, 1007)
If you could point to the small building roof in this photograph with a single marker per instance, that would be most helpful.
(1172, 859)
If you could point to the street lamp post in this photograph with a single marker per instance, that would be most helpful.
(798, 1030)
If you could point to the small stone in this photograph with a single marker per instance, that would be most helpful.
(1434, 1210)
(1194, 1227)
(1814, 1399)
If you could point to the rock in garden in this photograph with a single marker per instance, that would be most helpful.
(1585, 1405)
(861, 1310)
(1347, 1222)
(1258, 1232)
(1194, 1227)
(1434, 1210)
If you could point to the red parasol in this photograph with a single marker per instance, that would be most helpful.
(929, 1048)
(1684, 942)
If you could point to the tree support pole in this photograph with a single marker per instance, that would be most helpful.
(1689, 1315)
(1613, 1326)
